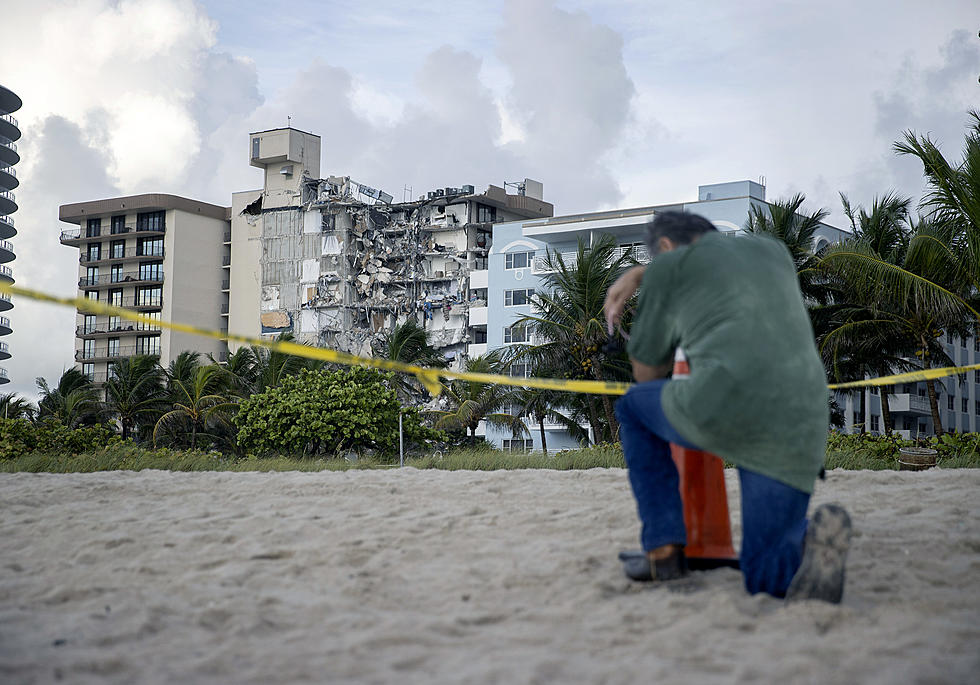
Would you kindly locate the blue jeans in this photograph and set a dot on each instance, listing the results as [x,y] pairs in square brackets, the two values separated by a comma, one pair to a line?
[773,514]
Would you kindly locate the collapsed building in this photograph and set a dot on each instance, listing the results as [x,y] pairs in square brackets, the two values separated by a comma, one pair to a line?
[339,264]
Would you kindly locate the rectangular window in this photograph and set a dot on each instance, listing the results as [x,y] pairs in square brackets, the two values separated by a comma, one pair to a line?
[93,228]
[963,343]
[88,349]
[255,148]
[117,249]
[116,273]
[485,214]
[149,297]
[149,247]
[92,295]
[89,371]
[516,334]
[976,341]
[976,407]
[949,338]
[907,424]
[148,344]
[149,326]
[92,275]
[922,392]
[976,376]
[150,221]
[874,389]
[949,402]
[907,388]
[874,422]
[514,298]
[519,370]
[89,325]
[518,260]
[118,225]
[518,445]
[94,252]
[115,298]
[113,348]
[856,419]
[965,405]
[479,336]
[151,271]
[114,324]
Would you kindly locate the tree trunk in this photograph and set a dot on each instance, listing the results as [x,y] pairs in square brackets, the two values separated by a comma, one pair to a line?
[937,423]
[472,435]
[194,435]
[544,441]
[125,428]
[607,405]
[886,413]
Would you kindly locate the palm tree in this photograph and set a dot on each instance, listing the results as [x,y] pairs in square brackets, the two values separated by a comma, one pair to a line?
[785,221]
[72,402]
[408,343]
[539,405]
[13,407]
[272,366]
[135,391]
[570,328]
[198,408]
[467,403]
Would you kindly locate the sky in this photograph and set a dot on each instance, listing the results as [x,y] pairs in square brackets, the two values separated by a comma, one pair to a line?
[610,104]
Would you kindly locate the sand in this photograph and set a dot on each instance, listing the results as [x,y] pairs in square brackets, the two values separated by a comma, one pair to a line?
[457,577]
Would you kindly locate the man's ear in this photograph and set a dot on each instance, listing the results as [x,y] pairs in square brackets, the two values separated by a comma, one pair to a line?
[665,244]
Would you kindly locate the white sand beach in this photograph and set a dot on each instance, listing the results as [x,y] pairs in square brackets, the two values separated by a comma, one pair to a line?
[409,576]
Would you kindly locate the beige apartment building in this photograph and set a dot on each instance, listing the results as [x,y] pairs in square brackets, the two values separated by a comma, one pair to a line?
[160,255]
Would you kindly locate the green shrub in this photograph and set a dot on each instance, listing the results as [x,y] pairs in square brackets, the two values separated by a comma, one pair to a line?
[329,412]
[19,437]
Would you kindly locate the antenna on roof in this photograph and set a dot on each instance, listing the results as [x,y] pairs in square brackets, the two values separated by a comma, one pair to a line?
[406,193]
[762,181]
[517,185]
[289,121]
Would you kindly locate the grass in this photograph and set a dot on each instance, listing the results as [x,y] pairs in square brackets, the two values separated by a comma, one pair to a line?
[847,452]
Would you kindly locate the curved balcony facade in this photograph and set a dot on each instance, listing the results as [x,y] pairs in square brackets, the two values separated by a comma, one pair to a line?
[9,134]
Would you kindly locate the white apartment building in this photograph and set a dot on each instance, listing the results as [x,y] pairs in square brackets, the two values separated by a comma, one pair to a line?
[160,255]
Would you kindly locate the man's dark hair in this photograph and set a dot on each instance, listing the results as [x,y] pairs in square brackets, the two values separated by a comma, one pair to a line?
[682,228]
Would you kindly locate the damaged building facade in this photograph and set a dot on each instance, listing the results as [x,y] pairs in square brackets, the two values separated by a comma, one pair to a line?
[339,264]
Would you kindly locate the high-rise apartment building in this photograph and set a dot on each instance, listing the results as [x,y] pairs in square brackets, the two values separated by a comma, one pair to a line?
[161,255]
[339,264]
[9,133]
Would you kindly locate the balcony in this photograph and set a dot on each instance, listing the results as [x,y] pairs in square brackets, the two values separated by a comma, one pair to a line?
[8,202]
[5,326]
[71,236]
[6,275]
[105,354]
[226,260]
[132,253]
[227,236]
[225,284]
[478,316]
[3,377]
[117,279]
[224,308]
[5,303]
[638,252]
[476,349]
[4,351]
[479,279]
[6,251]
[8,177]
[128,328]
[7,227]
[907,403]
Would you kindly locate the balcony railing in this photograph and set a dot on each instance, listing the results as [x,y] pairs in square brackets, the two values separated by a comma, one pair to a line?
[7,219]
[6,272]
[224,309]
[109,255]
[4,322]
[132,302]
[3,374]
[225,261]
[71,234]
[6,245]
[8,170]
[225,284]
[639,253]
[115,353]
[4,348]
[227,236]
[121,329]
[10,118]
[119,279]
[7,194]
[9,143]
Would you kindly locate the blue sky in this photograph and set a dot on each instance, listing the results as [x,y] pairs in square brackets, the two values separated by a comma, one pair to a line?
[609,104]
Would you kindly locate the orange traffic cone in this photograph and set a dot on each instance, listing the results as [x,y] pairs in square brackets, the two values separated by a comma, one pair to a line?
[702,486]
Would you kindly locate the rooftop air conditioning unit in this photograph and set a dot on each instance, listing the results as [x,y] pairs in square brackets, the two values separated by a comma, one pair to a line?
[468,190]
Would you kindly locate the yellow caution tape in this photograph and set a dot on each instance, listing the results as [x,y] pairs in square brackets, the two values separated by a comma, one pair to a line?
[427,376]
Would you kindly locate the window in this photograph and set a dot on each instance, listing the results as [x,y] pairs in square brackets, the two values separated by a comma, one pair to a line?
[88,349]
[874,422]
[976,376]
[514,298]
[949,338]
[976,341]
[479,336]
[963,343]
[949,402]
[116,275]
[140,326]
[114,323]
[148,344]
[115,298]
[922,392]
[89,371]
[150,221]
[149,247]
[92,295]
[255,148]
[485,214]
[92,275]
[976,407]
[965,405]
[118,225]
[518,260]
[113,350]
[93,252]
[516,334]
[149,297]
[519,370]
[117,249]
[93,228]
[907,424]
[151,271]
[907,388]
[518,445]
[89,324]
[874,389]
[856,419]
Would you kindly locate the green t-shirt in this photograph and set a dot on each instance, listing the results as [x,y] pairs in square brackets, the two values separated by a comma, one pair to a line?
[757,394]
